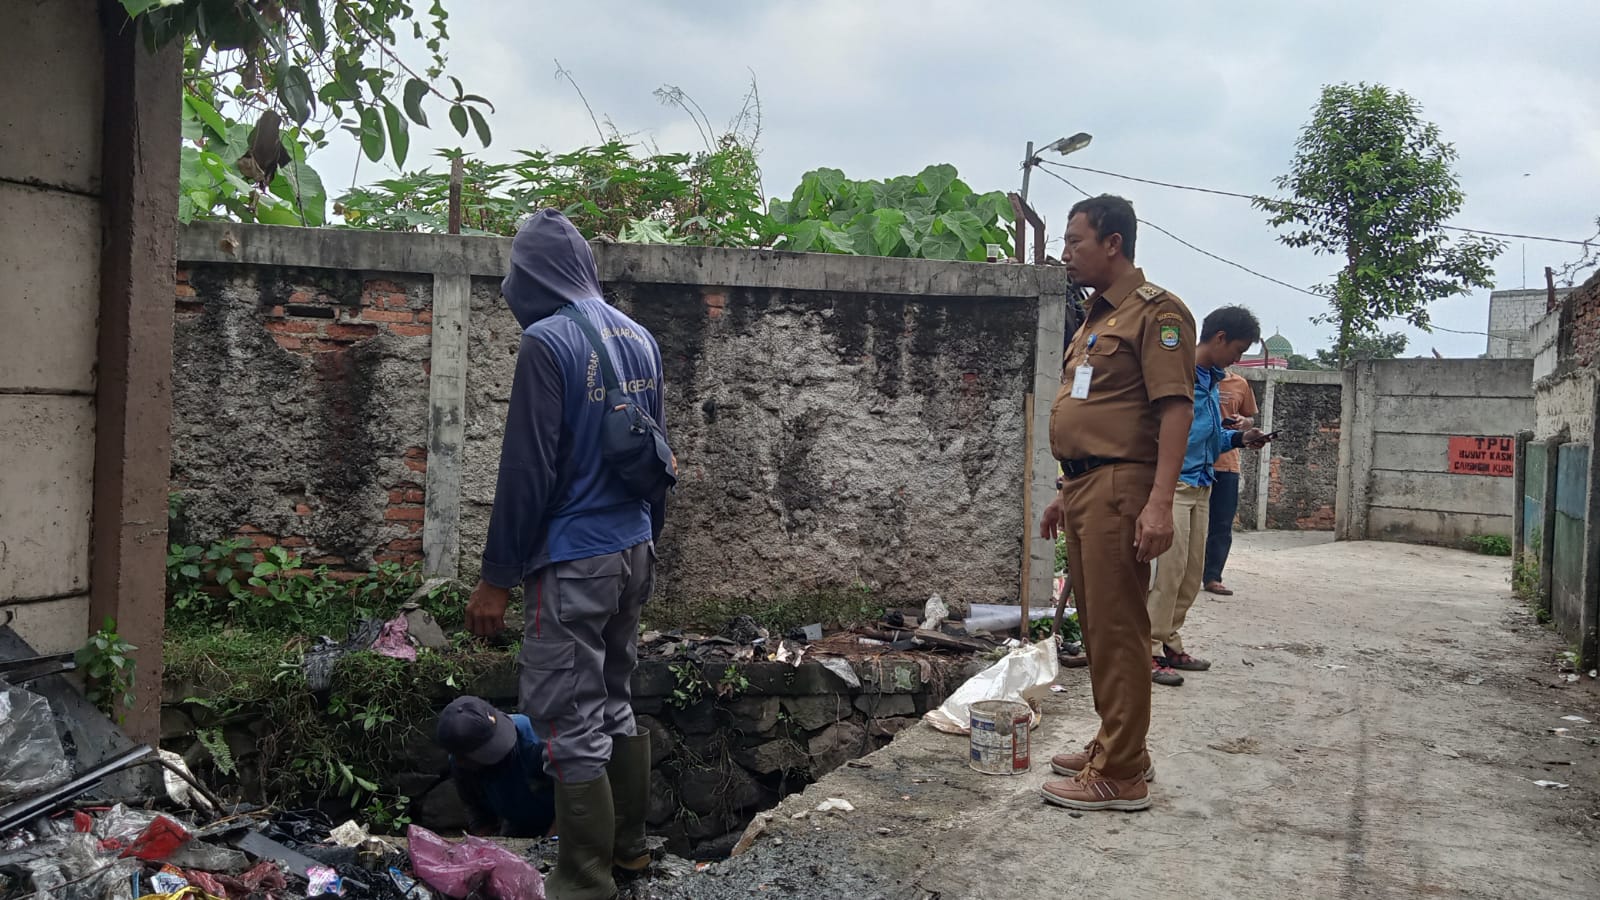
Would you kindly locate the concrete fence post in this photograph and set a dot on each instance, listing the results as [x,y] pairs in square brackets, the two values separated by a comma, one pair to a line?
[1551,449]
[1519,492]
[1356,435]
[1589,618]
[1050,337]
[1269,391]
[447,409]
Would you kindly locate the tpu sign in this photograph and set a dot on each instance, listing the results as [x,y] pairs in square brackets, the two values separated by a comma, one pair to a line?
[1493,456]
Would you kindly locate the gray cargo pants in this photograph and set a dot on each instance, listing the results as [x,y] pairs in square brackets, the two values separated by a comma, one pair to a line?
[579,646]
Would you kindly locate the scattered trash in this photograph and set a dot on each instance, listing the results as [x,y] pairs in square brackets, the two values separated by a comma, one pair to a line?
[1023,675]
[1559,731]
[835,804]
[1473,679]
[1594,673]
[457,870]
[996,617]
[998,742]
[842,669]
[1553,785]
[884,831]
[168,881]
[395,640]
[33,760]
[934,613]
[323,880]
[350,834]
[812,632]
[1058,689]
[1572,678]
[407,886]
[181,788]
[1579,719]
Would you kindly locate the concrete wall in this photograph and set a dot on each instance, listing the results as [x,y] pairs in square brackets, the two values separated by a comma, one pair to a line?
[1291,484]
[1512,315]
[838,421]
[1395,478]
[51,106]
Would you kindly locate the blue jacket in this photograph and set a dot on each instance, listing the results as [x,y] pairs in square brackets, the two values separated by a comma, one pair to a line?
[1207,438]
[554,499]
[515,795]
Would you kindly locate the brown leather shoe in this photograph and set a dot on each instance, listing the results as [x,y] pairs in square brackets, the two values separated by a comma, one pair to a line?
[1092,791]
[1070,764]
[1218,588]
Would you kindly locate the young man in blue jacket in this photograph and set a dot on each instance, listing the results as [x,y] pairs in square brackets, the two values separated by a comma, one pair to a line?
[1224,337]
[582,546]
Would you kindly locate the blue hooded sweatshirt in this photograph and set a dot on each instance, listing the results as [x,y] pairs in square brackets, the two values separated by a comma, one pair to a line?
[555,500]
[1208,437]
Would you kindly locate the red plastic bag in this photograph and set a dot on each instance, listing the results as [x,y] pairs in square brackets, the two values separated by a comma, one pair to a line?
[456,870]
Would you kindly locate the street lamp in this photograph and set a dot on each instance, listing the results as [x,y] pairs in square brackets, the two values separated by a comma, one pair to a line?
[1062,146]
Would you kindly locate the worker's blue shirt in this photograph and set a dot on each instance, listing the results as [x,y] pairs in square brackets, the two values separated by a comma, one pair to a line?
[516,793]
[1208,440]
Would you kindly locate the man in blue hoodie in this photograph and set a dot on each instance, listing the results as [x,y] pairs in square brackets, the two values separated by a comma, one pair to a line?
[1224,337]
[566,528]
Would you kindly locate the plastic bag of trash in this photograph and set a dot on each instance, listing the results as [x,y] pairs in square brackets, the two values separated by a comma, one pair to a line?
[474,864]
[934,612]
[1024,674]
[31,758]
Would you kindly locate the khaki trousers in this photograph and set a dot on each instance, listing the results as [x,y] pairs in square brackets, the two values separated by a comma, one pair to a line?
[1110,584]
[1180,570]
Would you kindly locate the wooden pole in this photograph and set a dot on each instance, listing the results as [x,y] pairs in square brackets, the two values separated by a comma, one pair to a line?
[1027,507]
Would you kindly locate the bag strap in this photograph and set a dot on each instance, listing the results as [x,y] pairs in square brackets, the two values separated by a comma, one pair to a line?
[607,373]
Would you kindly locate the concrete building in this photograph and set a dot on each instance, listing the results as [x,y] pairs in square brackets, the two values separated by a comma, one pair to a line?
[1512,315]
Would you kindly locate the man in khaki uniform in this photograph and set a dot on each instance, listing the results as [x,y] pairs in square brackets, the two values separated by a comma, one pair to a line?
[1119,426]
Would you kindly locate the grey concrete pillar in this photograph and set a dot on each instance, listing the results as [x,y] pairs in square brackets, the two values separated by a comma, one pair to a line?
[1269,390]
[447,410]
[1039,552]
[1589,619]
[1356,434]
[1519,492]
[1551,449]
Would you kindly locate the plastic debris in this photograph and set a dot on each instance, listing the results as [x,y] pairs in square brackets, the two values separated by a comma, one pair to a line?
[350,834]
[1058,689]
[179,791]
[323,880]
[835,804]
[1473,679]
[1579,719]
[168,881]
[395,640]
[934,612]
[33,761]
[1552,785]
[842,669]
[812,632]
[999,617]
[1571,677]
[1024,675]
[409,887]
[474,864]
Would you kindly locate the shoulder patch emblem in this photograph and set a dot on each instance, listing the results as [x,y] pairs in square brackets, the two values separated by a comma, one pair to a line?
[1149,291]
[1171,336]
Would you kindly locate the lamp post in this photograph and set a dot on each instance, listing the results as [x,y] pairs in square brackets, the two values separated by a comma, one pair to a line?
[1062,146]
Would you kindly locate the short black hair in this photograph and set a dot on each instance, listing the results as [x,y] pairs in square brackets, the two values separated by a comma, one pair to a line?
[1238,323]
[1109,214]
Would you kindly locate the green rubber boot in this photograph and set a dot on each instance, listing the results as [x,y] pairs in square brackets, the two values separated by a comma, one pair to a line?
[629,772]
[587,826]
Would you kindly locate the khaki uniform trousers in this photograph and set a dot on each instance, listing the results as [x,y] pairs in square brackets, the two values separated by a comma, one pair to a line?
[1110,585]
[1180,570]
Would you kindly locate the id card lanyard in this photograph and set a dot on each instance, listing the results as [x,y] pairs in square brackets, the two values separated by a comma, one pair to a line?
[1083,374]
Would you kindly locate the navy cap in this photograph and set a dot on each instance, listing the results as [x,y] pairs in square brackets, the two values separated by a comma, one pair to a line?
[473,730]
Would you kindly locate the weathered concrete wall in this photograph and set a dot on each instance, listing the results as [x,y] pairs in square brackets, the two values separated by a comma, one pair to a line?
[839,421]
[1396,479]
[302,410]
[51,106]
[1292,483]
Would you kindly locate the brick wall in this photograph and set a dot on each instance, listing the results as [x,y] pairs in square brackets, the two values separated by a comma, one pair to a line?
[300,411]
[1584,329]
[1303,467]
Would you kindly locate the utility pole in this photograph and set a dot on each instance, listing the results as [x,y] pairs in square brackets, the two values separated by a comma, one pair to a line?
[1027,169]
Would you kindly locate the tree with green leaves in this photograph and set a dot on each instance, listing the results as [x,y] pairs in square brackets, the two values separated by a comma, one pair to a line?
[265,82]
[1374,184]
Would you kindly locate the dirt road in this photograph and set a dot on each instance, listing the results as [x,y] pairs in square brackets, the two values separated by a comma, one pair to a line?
[1342,746]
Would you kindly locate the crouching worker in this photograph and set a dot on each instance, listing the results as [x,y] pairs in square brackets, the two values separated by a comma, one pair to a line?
[497,763]
[579,502]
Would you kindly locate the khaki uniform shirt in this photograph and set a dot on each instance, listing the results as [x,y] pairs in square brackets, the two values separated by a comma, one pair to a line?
[1236,399]
[1142,351]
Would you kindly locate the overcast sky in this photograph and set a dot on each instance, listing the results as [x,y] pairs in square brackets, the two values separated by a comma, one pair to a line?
[1211,94]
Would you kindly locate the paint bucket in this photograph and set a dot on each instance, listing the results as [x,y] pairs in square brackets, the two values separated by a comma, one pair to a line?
[1000,737]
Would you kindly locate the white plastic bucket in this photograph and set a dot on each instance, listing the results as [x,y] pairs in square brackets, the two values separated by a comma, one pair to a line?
[999,739]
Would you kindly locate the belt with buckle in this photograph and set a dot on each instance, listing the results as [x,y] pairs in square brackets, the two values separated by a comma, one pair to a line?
[1075,468]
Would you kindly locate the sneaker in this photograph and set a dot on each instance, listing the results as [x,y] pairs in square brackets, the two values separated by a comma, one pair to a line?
[1185,662]
[1091,791]
[1070,764]
[1161,673]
